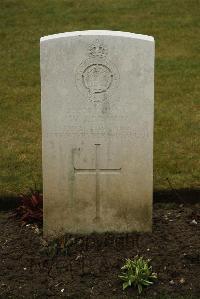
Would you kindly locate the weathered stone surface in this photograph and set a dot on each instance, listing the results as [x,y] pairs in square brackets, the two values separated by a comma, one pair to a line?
[97,131]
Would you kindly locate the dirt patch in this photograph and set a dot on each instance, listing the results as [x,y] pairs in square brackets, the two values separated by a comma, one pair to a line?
[92,264]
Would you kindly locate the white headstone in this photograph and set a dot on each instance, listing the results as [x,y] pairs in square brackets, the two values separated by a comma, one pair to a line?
[97,131]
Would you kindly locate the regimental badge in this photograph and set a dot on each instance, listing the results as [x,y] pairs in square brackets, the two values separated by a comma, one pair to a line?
[97,77]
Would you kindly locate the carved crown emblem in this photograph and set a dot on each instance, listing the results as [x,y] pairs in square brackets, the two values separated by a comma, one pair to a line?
[97,49]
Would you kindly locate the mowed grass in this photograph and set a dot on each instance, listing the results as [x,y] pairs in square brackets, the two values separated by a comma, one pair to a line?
[176,28]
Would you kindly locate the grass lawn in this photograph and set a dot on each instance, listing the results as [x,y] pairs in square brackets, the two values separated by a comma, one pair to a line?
[176,28]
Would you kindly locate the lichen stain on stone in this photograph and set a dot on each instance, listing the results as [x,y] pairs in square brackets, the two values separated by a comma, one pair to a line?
[140,215]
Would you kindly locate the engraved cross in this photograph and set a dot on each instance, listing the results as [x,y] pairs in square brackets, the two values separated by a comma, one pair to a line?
[97,171]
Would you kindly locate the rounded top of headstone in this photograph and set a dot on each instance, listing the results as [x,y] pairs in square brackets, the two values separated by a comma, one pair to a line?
[98,32]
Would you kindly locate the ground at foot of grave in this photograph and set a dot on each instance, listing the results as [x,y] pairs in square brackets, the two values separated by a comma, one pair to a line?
[92,264]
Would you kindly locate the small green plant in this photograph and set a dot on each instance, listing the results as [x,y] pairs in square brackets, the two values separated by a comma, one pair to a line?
[137,273]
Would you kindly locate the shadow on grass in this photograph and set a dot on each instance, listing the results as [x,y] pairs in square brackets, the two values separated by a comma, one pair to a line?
[9,203]
[190,196]
[179,196]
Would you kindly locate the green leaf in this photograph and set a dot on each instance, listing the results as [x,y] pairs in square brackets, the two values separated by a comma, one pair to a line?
[125,285]
[139,288]
[123,277]
[146,282]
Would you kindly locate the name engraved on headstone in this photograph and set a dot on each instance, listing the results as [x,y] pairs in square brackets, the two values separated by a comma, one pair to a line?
[101,131]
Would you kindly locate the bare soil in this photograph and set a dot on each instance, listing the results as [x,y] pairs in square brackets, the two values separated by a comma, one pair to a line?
[92,263]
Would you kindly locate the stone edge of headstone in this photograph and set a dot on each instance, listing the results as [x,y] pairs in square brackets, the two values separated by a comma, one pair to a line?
[98,32]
